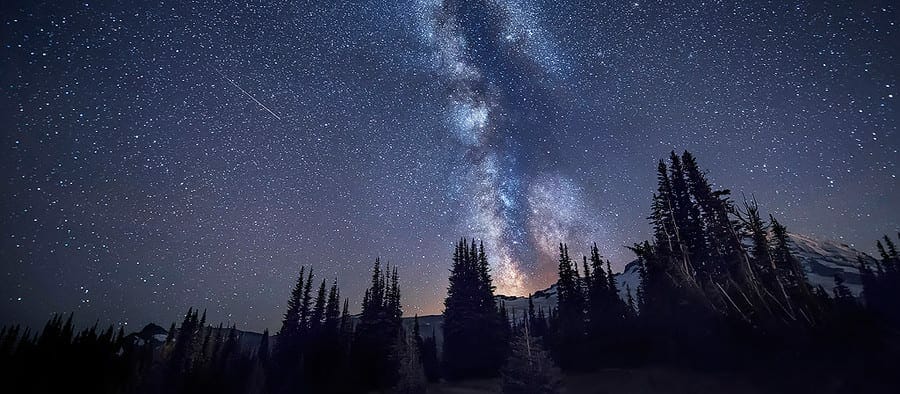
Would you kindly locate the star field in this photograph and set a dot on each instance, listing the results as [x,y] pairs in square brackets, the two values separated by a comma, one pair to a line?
[162,155]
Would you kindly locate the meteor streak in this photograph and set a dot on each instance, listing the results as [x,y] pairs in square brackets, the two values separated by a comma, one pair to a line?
[248,94]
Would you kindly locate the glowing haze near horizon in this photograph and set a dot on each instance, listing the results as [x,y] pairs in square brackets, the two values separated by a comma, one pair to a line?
[174,154]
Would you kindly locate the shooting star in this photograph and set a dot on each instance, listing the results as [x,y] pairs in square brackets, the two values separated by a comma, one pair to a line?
[248,94]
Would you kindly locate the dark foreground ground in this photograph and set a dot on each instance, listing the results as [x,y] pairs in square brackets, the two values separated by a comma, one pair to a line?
[665,380]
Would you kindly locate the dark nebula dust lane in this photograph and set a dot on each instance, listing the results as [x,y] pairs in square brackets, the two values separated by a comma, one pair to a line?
[174,154]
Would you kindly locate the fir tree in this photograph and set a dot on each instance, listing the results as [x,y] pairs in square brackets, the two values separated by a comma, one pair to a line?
[891,248]
[374,355]
[770,278]
[346,321]
[842,293]
[411,374]
[180,358]
[588,278]
[714,206]
[686,221]
[417,334]
[288,343]
[530,317]
[611,281]
[333,310]
[262,353]
[318,311]
[170,335]
[662,212]
[632,307]
[571,305]
[791,273]
[292,315]
[305,302]
[430,361]
[471,318]
[529,369]
[881,285]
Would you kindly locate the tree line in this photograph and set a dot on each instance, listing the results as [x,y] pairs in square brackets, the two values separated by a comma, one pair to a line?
[720,289]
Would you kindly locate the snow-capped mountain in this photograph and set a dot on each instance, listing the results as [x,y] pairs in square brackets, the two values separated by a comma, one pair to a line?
[154,335]
[151,334]
[820,259]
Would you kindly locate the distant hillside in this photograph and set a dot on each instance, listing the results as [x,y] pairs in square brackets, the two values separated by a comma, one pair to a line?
[154,335]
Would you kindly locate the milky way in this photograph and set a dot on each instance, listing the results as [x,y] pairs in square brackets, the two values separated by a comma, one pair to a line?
[162,155]
[514,215]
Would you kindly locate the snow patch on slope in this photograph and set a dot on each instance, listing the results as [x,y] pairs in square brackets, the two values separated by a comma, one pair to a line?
[820,259]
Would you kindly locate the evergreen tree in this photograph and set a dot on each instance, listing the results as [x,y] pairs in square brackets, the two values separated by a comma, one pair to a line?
[505,329]
[318,311]
[587,280]
[791,273]
[411,374]
[180,358]
[430,361]
[767,273]
[889,258]
[787,265]
[891,247]
[881,286]
[291,347]
[287,347]
[393,305]
[346,322]
[530,317]
[687,222]
[374,355]
[599,293]
[882,252]
[417,334]
[842,293]
[263,352]
[333,310]
[170,335]
[571,321]
[471,318]
[325,351]
[529,369]
[632,307]
[662,214]
[759,235]
[611,284]
[722,245]
[305,303]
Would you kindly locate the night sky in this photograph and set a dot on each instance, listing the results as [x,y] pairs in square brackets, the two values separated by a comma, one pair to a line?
[161,155]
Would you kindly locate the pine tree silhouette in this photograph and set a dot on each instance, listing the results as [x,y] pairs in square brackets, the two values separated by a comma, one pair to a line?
[529,369]
[471,319]
[375,359]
